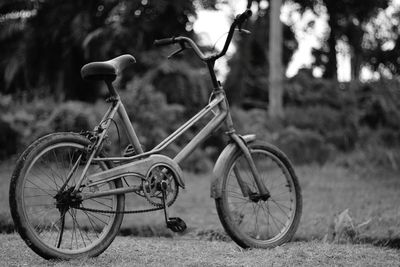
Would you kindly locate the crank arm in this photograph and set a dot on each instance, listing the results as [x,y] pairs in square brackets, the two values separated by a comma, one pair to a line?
[176,224]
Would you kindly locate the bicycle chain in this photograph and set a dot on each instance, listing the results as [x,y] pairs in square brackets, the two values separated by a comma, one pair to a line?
[117,212]
[158,207]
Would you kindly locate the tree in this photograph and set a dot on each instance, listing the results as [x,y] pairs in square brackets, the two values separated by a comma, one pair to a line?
[275,108]
[347,22]
[13,18]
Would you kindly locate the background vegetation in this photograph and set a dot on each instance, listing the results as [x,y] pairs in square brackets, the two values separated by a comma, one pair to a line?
[349,126]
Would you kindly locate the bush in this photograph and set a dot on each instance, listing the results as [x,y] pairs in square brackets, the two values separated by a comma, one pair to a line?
[303,146]
[23,122]
[304,90]
[300,139]
[337,127]
[371,158]
[16,124]
[153,118]
[199,161]
[253,121]
[72,116]
[379,105]
[9,139]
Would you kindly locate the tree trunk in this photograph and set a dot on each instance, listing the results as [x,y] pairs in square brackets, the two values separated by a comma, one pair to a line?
[331,66]
[356,36]
[356,63]
[275,108]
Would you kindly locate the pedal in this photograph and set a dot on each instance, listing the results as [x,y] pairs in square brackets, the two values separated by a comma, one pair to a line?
[176,224]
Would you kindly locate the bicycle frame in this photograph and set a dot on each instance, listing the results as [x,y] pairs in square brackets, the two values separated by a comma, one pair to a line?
[218,106]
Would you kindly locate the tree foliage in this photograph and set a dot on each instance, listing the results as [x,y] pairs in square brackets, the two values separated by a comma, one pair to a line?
[382,50]
[47,48]
[347,22]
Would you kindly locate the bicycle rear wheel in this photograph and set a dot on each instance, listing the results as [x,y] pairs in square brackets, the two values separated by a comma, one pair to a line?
[47,218]
[258,223]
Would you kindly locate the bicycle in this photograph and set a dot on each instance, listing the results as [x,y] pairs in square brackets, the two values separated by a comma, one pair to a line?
[67,197]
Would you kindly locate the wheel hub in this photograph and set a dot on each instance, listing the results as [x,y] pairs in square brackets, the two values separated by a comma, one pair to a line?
[66,200]
[256,197]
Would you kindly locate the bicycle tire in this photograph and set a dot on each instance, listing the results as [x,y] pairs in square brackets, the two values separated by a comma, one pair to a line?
[238,224]
[32,175]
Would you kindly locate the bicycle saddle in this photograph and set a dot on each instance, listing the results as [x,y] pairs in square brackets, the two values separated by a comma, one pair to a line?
[106,70]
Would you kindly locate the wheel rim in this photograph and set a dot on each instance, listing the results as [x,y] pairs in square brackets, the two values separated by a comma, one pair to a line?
[263,222]
[69,231]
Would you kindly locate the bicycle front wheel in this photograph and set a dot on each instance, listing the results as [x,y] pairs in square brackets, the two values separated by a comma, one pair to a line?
[51,222]
[253,222]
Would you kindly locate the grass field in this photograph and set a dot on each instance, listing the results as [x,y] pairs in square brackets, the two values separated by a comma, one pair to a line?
[128,251]
[370,195]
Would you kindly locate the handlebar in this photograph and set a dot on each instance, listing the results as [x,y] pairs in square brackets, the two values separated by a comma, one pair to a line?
[237,22]
[166,41]
[182,41]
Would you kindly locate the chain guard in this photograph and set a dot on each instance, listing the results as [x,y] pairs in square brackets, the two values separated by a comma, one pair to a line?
[158,171]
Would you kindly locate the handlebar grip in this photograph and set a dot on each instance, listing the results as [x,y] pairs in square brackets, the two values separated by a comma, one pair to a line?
[245,15]
[163,42]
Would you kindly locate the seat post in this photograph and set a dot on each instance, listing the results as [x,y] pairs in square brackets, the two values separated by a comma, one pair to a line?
[111,89]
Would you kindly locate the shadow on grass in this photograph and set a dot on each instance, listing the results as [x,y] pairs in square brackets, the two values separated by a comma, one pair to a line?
[6,224]
[381,242]
[388,242]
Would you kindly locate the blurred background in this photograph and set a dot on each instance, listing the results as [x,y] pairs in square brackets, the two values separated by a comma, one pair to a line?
[317,78]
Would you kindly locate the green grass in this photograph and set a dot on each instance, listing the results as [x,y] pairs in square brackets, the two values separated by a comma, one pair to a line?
[328,190]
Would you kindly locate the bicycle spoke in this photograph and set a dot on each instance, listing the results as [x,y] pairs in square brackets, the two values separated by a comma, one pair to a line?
[99,219]
[267,216]
[91,223]
[279,205]
[42,189]
[73,214]
[58,165]
[256,221]
[101,203]
[52,170]
[62,229]
[45,182]
[274,217]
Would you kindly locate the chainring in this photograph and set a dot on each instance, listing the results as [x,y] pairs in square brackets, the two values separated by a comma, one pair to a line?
[151,186]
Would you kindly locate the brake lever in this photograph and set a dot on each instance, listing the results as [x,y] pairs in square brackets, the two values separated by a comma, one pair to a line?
[183,47]
[244,31]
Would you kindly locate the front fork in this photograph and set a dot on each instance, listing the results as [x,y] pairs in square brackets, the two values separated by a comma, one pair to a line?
[264,193]
[246,191]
